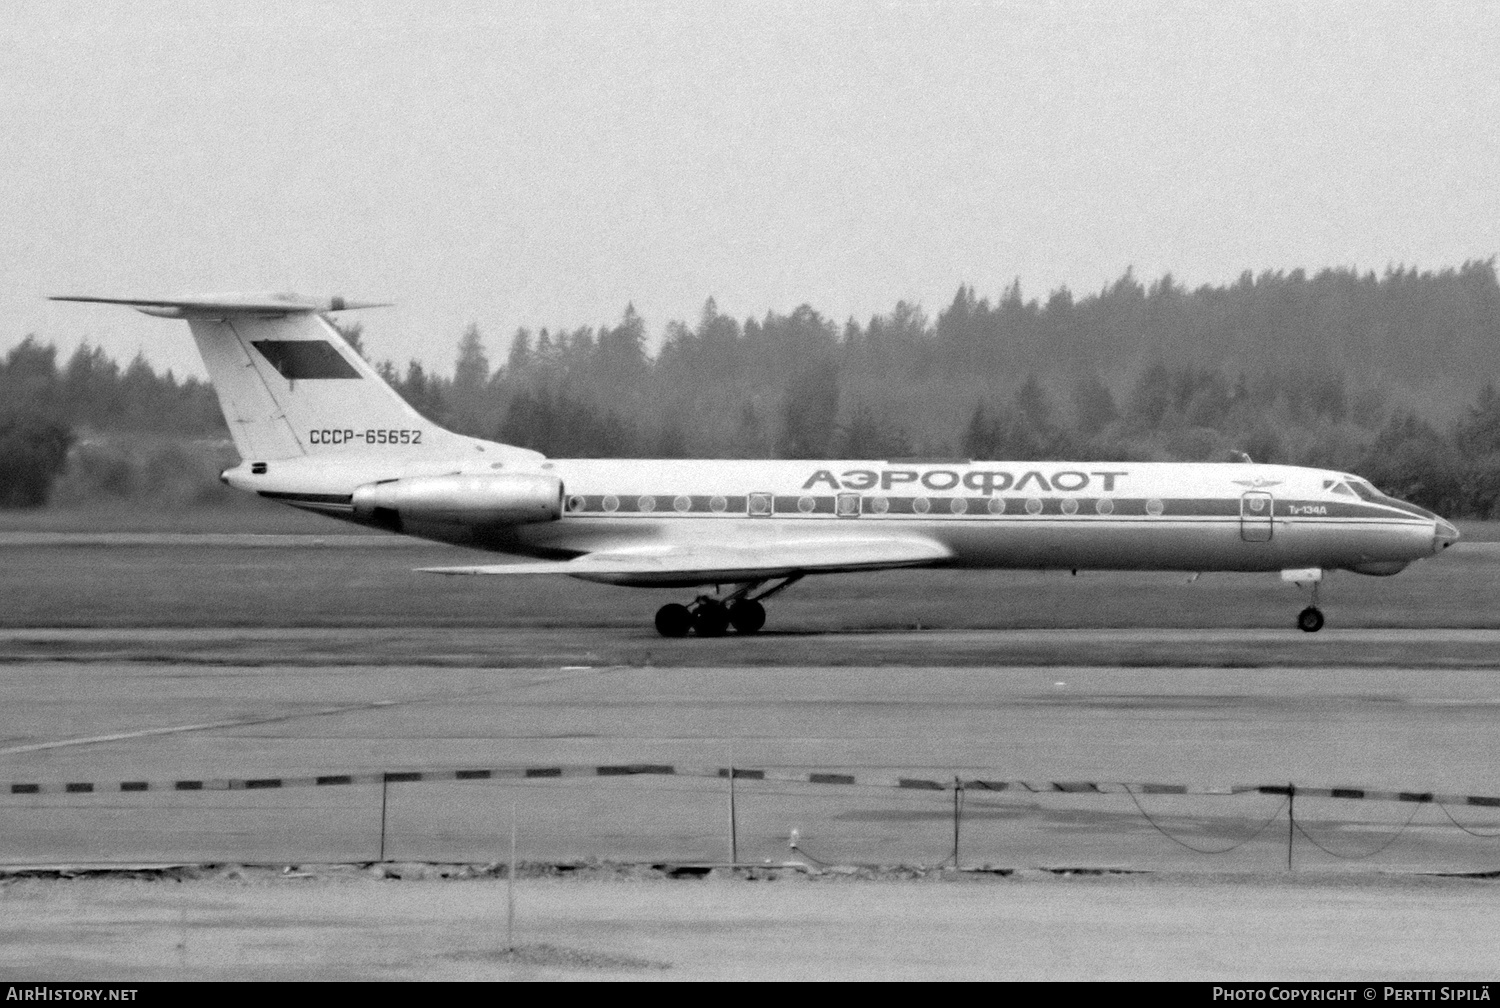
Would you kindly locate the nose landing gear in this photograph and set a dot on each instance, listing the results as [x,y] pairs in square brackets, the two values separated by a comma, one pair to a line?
[1309,620]
[708,616]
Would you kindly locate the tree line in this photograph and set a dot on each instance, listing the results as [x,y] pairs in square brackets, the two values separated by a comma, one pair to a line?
[1387,375]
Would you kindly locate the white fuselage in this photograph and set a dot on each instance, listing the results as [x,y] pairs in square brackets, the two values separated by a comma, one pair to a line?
[1079,515]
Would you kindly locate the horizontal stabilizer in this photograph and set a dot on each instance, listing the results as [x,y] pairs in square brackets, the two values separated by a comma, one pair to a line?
[703,564]
[202,305]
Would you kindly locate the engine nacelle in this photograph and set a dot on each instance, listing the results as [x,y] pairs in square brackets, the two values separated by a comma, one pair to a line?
[498,499]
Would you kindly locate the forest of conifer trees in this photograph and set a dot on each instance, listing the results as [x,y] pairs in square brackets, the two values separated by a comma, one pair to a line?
[1387,375]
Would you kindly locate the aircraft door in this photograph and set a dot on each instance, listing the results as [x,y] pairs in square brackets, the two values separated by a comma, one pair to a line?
[847,505]
[761,505]
[1256,516]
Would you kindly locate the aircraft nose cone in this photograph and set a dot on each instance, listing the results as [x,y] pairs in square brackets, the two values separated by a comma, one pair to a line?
[1444,534]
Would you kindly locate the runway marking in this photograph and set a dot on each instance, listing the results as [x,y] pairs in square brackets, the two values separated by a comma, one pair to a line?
[323,712]
[203,726]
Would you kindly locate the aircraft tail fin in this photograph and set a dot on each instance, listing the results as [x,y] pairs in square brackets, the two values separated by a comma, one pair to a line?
[289,385]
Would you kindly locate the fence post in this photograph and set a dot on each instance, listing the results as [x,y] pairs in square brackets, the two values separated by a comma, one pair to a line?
[958,803]
[734,828]
[510,886]
[1291,821]
[384,787]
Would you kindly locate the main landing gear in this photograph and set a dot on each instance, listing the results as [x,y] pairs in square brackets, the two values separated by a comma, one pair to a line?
[710,616]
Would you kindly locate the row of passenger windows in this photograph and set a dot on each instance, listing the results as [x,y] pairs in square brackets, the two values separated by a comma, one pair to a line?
[850,504]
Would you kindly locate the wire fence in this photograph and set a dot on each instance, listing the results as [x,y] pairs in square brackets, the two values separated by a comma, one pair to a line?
[957,793]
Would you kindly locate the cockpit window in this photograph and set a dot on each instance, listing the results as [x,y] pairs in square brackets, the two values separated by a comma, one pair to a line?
[1338,487]
[1367,491]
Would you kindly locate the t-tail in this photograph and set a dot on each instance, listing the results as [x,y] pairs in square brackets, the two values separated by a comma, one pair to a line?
[291,386]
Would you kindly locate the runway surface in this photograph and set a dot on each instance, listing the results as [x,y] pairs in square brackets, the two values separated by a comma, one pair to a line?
[174,581]
[158,656]
[155,655]
[106,720]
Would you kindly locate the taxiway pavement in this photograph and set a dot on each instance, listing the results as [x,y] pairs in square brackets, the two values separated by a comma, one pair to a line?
[106,721]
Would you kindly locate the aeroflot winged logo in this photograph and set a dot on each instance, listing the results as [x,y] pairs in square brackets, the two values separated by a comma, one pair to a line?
[985,481]
[1257,483]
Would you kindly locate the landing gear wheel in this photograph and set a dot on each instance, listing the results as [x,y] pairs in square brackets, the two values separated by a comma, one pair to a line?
[747,616]
[710,619]
[1310,620]
[673,620]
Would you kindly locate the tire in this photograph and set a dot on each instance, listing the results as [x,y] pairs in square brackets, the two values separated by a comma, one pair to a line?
[710,620]
[673,620]
[747,617]
[1310,620]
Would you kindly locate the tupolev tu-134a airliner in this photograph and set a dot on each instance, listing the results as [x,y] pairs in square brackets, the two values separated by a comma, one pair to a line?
[317,428]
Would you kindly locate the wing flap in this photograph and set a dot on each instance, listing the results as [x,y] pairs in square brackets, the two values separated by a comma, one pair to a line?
[730,563]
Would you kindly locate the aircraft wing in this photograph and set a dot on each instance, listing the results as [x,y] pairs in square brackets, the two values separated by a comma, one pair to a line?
[684,565]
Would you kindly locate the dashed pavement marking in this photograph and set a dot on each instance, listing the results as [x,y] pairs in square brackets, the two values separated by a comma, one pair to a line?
[945,783]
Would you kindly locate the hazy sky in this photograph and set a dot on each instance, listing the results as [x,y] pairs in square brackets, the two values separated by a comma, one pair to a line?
[544,164]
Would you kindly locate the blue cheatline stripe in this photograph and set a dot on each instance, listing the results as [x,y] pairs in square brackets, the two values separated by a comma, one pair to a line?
[945,782]
[958,507]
